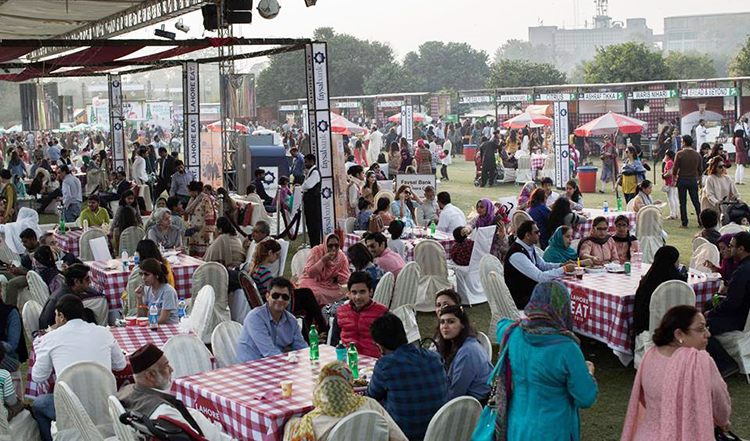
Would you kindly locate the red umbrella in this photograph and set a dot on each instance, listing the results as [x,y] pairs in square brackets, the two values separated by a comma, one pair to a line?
[415,117]
[610,123]
[216,127]
[527,119]
[339,124]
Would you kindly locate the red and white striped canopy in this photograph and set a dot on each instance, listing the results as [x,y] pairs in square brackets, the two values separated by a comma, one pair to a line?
[527,119]
[610,123]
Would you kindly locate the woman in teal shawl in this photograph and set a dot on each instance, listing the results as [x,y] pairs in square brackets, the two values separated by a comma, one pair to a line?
[559,250]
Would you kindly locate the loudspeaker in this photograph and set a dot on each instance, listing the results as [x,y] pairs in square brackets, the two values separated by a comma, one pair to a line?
[210,17]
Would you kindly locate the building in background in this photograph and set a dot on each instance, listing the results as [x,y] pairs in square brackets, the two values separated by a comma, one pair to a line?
[715,34]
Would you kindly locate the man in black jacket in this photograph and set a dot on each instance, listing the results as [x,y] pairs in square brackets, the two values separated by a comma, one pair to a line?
[731,314]
[165,169]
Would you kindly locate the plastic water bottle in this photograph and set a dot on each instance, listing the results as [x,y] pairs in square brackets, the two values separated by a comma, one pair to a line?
[313,339]
[153,317]
[124,257]
[181,308]
[606,207]
[341,352]
[136,258]
[353,359]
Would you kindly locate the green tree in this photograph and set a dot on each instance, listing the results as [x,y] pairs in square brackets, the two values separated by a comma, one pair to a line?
[626,62]
[523,50]
[390,78]
[523,73]
[446,66]
[350,60]
[740,64]
[686,66]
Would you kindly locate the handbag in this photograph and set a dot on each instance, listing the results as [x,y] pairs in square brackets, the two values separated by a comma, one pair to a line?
[485,429]
[720,435]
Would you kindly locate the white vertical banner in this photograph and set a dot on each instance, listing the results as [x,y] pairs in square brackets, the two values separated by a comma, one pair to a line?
[116,122]
[319,123]
[562,149]
[407,122]
[191,116]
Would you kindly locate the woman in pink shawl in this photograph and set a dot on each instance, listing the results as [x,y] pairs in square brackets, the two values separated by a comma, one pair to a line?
[678,394]
[326,270]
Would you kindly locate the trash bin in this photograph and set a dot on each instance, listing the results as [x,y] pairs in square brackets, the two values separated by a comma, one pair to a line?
[587,179]
[469,151]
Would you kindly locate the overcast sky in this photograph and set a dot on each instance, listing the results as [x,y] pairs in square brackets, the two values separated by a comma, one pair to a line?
[484,24]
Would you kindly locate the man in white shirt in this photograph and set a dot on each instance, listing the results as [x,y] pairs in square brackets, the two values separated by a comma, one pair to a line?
[701,133]
[138,169]
[73,340]
[550,194]
[311,201]
[525,267]
[451,217]
[149,395]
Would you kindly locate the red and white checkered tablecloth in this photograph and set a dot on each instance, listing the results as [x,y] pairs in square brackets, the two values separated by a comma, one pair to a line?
[443,239]
[603,304]
[113,282]
[537,161]
[69,241]
[246,398]
[129,338]
[584,229]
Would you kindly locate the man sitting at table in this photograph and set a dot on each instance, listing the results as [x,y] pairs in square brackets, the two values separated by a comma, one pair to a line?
[409,381]
[451,217]
[270,329]
[77,282]
[550,194]
[353,318]
[94,213]
[153,376]
[73,340]
[524,267]
[120,185]
[67,258]
[387,259]
[16,275]
[261,232]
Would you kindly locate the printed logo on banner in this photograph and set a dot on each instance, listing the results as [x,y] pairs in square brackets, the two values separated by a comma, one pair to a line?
[562,149]
[322,127]
[579,306]
[118,138]
[327,206]
[208,408]
[192,103]
[320,74]
[417,182]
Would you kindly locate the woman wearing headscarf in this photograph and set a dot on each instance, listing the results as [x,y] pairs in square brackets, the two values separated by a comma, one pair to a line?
[559,250]
[406,160]
[542,379]
[728,262]
[226,248]
[664,268]
[523,198]
[485,216]
[599,246]
[423,158]
[334,399]
[326,271]
[625,243]
[678,393]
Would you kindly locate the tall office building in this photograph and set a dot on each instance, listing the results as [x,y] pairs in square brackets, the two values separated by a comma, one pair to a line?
[711,33]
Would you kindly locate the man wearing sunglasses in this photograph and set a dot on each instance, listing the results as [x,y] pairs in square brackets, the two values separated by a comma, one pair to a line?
[271,329]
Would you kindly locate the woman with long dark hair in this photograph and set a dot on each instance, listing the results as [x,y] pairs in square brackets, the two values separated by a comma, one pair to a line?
[573,193]
[561,214]
[664,268]
[226,248]
[468,364]
[155,290]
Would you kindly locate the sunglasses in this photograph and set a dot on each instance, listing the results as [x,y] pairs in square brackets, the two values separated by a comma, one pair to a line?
[277,296]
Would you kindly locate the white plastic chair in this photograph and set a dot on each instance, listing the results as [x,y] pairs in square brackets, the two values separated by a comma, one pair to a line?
[667,295]
[282,256]
[430,255]
[631,205]
[215,275]
[419,216]
[187,355]
[200,314]
[409,319]
[737,344]
[71,418]
[349,225]
[93,384]
[84,243]
[362,425]
[649,231]
[486,264]
[468,285]
[100,307]
[129,239]
[37,288]
[134,281]
[123,432]
[698,241]
[548,171]
[384,291]
[298,261]
[518,218]
[501,303]
[707,251]
[485,342]
[31,312]
[523,172]
[407,282]
[455,421]
[224,343]
[732,228]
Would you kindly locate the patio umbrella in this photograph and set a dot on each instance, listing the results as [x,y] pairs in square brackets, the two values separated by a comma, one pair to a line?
[610,123]
[415,117]
[529,119]
[216,127]
[80,127]
[339,124]
[15,129]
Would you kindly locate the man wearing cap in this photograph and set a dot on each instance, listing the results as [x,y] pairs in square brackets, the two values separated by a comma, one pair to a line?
[153,376]
[71,341]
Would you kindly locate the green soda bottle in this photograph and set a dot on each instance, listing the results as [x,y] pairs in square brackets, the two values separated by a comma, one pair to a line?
[61,227]
[619,204]
[716,300]
[353,358]
[313,339]
[432,228]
